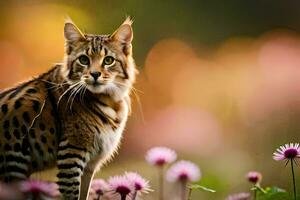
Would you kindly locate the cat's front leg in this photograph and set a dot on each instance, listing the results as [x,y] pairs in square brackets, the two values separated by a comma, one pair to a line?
[88,173]
[86,178]
[71,160]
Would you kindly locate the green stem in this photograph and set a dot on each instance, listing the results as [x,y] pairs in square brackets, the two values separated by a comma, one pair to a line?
[257,187]
[190,193]
[294,181]
[161,182]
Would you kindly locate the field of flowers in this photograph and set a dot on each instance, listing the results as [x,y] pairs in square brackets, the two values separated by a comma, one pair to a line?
[185,174]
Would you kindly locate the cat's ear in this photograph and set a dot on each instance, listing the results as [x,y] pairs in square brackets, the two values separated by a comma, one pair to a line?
[124,33]
[72,32]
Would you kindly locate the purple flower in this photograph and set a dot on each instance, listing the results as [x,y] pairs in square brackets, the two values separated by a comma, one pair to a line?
[120,185]
[39,188]
[254,177]
[183,171]
[160,156]
[98,188]
[287,152]
[239,196]
[139,183]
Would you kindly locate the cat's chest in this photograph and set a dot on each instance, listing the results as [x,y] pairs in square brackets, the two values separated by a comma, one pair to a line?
[107,139]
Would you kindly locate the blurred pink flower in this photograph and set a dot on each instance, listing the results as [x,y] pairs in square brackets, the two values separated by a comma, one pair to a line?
[39,188]
[287,152]
[10,192]
[139,183]
[183,171]
[98,188]
[192,126]
[120,185]
[254,177]
[239,196]
[160,156]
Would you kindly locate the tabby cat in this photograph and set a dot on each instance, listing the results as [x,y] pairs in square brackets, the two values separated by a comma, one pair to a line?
[73,115]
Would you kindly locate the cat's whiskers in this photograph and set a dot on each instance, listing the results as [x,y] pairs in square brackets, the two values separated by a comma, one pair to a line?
[131,87]
[137,97]
[82,93]
[53,83]
[55,86]
[46,81]
[76,92]
[67,90]
[73,91]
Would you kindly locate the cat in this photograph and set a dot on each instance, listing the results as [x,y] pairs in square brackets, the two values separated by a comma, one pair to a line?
[72,116]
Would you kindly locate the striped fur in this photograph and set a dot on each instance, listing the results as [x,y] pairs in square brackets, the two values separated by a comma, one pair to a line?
[72,116]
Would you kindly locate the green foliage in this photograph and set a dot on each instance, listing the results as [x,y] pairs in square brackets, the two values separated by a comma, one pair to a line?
[200,187]
[271,193]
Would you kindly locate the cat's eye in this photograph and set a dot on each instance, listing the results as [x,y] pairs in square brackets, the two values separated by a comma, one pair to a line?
[108,60]
[84,60]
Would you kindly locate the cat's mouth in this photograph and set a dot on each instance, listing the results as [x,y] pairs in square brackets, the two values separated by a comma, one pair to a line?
[94,83]
[95,86]
[97,83]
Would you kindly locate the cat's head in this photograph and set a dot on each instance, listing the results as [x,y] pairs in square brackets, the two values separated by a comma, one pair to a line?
[101,63]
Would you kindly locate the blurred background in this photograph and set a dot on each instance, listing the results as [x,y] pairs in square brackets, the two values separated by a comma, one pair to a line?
[219,81]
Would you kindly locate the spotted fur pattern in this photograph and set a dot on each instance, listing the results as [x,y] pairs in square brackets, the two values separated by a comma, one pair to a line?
[73,115]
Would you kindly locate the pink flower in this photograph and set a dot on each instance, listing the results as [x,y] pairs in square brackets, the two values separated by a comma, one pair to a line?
[160,156]
[98,188]
[254,177]
[287,152]
[39,188]
[10,192]
[183,171]
[139,183]
[239,196]
[120,185]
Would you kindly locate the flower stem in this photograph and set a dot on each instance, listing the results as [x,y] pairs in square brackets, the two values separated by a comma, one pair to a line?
[256,187]
[123,197]
[183,190]
[294,181]
[134,195]
[161,182]
[35,196]
[190,193]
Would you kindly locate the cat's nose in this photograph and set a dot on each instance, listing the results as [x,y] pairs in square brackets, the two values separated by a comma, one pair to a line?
[95,75]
